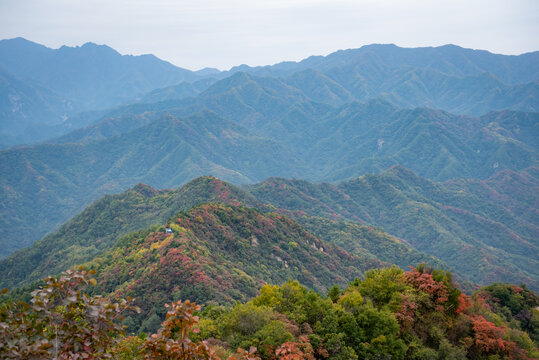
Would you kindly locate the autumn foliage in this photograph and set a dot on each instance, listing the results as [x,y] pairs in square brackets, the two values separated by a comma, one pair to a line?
[172,340]
[389,314]
[62,321]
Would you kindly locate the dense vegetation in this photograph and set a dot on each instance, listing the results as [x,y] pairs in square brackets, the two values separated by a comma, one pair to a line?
[98,227]
[419,314]
[472,230]
[220,254]
[452,222]
[389,314]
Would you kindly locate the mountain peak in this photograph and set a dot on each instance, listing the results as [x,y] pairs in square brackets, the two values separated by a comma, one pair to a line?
[402,172]
[145,190]
[207,71]
[241,76]
[90,47]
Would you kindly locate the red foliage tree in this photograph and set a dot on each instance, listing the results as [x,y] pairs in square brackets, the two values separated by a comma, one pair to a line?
[296,350]
[424,281]
[487,336]
[465,302]
[488,339]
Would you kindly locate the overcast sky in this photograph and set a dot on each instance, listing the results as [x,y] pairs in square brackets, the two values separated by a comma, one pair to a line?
[220,33]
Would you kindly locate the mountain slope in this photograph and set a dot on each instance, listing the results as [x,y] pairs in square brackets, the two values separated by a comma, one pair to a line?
[368,241]
[469,232]
[357,138]
[479,237]
[470,95]
[319,87]
[220,254]
[451,78]
[179,91]
[52,182]
[517,192]
[264,127]
[42,90]
[366,138]
[25,107]
[166,147]
[97,228]
[229,250]
[374,60]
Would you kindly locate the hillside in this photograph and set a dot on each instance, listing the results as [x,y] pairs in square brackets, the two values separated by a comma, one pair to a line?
[96,230]
[369,138]
[369,241]
[516,191]
[418,314]
[478,236]
[180,91]
[47,184]
[221,253]
[337,143]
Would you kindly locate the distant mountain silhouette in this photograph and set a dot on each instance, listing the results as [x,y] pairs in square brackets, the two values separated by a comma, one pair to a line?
[95,77]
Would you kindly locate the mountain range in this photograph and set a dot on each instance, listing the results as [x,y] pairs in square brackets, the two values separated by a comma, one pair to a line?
[245,129]
[379,155]
[48,87]
[476,236]
[91,77]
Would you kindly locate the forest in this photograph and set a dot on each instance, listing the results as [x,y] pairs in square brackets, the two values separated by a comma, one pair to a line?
[389,314]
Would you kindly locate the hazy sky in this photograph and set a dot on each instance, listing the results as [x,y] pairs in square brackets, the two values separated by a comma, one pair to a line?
[216,33]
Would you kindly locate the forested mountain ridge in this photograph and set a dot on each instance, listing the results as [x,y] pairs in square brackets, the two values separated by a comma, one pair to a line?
[216,253]
[98,227]
[376,133]
[451,78]
[167,152]
[456,223]
[448,59]
[422,158]
[221,253]
[450,224]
